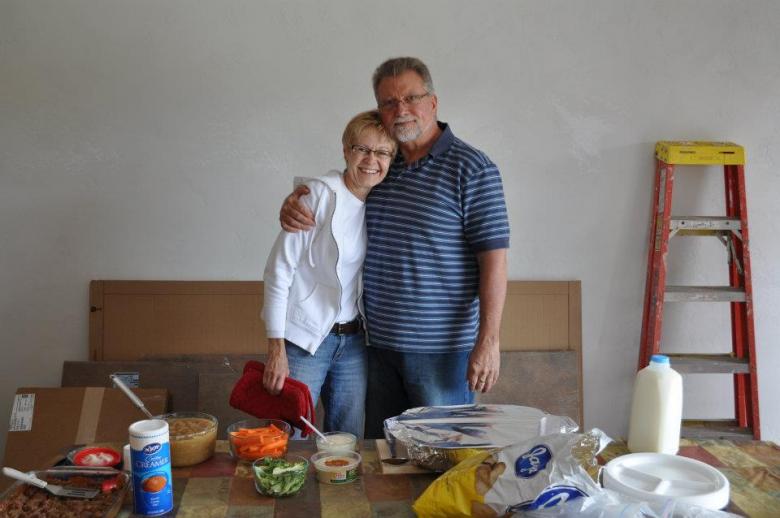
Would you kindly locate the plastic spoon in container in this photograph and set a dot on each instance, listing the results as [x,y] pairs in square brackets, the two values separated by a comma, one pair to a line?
[129,393]
[322,435]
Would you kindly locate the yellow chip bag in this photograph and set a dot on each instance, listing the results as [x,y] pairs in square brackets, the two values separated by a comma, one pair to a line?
[460,492]
[537,473]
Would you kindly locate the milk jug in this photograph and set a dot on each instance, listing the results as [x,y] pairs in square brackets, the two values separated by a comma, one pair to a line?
[656,410]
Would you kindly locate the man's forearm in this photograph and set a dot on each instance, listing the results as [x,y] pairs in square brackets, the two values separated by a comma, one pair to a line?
[492,293]
[485,360]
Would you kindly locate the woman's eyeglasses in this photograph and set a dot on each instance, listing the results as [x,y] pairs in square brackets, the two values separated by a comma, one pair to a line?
[363,151]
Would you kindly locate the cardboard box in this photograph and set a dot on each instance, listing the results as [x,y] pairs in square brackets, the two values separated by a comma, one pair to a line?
[47,422]
[200,383]
[179,378]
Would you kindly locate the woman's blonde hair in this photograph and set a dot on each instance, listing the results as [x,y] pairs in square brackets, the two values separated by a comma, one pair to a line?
[362,121]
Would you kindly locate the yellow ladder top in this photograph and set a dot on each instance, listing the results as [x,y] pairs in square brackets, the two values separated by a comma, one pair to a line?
[699,153]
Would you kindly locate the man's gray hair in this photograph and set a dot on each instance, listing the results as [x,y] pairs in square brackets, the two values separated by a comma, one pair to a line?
[396,66]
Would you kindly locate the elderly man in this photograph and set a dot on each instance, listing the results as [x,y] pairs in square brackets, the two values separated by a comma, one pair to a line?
[435,269]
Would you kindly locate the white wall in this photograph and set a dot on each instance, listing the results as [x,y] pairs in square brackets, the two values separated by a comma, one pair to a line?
[154,140]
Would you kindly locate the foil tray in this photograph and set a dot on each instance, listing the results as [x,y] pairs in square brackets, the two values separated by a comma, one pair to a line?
[438,437]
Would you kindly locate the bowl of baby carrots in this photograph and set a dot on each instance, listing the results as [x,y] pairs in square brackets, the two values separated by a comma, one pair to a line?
[252,439]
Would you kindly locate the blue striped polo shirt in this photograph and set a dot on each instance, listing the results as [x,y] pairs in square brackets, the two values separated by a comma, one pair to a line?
[426,223]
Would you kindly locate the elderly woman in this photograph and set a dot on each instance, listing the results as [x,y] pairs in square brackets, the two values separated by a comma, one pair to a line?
[313,283]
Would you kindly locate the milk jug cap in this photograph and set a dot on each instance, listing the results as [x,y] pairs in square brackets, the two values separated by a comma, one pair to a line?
[659,359]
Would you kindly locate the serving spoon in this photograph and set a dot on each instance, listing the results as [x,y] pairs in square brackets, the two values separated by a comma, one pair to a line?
[129,393]
[395,461]
[314,429]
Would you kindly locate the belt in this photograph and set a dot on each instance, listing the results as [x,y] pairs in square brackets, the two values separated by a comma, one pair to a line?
[347,328]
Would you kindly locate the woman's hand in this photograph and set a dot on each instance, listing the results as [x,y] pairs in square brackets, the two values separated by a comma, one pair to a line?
[294,215]
[276,368]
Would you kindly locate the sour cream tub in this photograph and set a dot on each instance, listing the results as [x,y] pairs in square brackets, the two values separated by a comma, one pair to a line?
[337,441]
[339,467]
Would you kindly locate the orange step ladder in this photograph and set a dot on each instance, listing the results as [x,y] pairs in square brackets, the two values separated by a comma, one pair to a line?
[732,231]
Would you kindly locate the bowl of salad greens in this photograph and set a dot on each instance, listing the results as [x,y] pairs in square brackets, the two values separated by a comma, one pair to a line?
[283,476]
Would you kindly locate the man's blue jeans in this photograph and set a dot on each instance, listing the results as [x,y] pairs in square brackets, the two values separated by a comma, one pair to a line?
[337,373]
[398,381]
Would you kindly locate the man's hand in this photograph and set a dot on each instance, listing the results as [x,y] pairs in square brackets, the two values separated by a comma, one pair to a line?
[294,215]
[276,368]
[484,364]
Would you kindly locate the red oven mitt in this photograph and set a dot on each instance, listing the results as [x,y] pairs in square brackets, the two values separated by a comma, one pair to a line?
[294,401]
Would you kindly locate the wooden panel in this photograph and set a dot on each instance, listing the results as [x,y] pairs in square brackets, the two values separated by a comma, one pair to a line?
[179,378]
[96,320]
[127,326]
[575,340]
[131,320]
[548,380]
[537,316]
[147,319]
[575,316]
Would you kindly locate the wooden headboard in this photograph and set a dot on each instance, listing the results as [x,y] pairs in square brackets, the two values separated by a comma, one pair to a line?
[541,331]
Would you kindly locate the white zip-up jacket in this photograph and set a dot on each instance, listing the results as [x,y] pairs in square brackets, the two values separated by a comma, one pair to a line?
[303,281]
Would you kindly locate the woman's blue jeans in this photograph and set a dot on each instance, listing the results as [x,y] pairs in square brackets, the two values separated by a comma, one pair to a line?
[337,373]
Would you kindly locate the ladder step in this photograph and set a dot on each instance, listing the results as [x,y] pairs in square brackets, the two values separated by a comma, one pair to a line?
[704,294]
[709,364]
[681,223]
[699,153]
[714,429]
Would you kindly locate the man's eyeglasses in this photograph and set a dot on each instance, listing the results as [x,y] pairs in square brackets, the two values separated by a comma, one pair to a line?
[409,100]
[363,151]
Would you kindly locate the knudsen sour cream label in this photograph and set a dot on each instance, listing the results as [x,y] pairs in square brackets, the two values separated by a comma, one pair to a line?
[336,467]
[150,457]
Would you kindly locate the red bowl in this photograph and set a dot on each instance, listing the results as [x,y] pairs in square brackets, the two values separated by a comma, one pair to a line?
[97,457]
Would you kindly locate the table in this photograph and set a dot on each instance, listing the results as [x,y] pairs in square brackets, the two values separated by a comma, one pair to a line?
[752,468]
[223,488]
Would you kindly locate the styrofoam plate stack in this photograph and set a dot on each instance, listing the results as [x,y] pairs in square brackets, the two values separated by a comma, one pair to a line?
[657,477]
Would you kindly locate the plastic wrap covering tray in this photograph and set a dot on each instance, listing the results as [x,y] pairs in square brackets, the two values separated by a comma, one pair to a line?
[439,437]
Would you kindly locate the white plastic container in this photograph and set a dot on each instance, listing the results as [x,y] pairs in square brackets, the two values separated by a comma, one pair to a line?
[150,458]
[336,467]
[337,441]
[656,410]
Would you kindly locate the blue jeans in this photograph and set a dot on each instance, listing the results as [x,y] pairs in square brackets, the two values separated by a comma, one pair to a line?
[337,373]
[398,381]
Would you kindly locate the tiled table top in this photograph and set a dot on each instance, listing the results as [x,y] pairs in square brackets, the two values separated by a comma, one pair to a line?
[752,468]
[223,488]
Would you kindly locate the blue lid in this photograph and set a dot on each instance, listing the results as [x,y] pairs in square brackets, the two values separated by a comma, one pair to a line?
[659,358]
